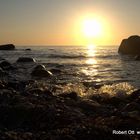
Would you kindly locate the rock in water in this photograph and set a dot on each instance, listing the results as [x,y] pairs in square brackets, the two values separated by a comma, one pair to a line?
[40,71]
[28,49]
[137,57]
[5,65]
[40,67]
[25,59]
[2,73]
[130,46]
[55,71]
[7,47]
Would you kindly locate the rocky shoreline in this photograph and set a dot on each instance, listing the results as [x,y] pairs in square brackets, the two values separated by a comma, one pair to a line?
[34,109]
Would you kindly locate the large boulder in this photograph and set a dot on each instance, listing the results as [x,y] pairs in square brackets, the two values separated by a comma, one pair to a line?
[7,47]
[130,45]
[40,71]
[25,59]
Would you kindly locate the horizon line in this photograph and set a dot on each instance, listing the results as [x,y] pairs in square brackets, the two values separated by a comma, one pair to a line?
[47,45]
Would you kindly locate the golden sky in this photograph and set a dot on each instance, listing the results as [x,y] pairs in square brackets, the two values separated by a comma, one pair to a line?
[68,22]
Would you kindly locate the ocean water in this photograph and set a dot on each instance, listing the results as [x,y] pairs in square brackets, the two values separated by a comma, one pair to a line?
[88,64]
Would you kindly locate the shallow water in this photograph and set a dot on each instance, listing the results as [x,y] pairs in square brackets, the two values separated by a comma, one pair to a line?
[100,65]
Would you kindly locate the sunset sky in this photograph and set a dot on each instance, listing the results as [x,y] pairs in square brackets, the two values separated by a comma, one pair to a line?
[61,22]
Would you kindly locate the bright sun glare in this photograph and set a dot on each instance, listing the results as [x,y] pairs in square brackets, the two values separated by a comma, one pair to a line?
[92,28]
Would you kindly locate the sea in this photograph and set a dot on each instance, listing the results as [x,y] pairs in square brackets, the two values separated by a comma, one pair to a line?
[96,65]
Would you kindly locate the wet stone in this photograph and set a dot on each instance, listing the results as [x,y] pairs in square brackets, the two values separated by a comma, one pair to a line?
[7,47]
[28,49]
[25,59]
[40,67]
[134,95]
[55,71]
[131,107]
[6,65]
[72,95]
[40,71]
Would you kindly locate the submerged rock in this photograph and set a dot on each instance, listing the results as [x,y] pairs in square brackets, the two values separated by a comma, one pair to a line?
[7,47]
[130,45]
[2,59]
[40,71]
[25,59]
[137,57]
[5,65]
[2,72]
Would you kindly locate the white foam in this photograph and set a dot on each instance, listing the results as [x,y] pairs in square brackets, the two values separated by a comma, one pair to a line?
[120,89]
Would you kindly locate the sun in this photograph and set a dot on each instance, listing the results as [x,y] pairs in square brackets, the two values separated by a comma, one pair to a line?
[92,28]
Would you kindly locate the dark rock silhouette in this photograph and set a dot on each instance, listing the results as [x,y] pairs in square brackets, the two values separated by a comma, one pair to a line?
[137,57]
[25,59]
[40,67]
[5,65]
[135,95]
[28,49]
[130,46]
[40,71]
[7,47]
[55,71]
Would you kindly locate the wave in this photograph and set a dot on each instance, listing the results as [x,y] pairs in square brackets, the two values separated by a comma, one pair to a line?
[80,56]
[66,56]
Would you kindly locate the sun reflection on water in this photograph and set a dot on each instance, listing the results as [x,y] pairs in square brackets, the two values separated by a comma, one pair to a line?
[91,51]
[91,61]
[91,70]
